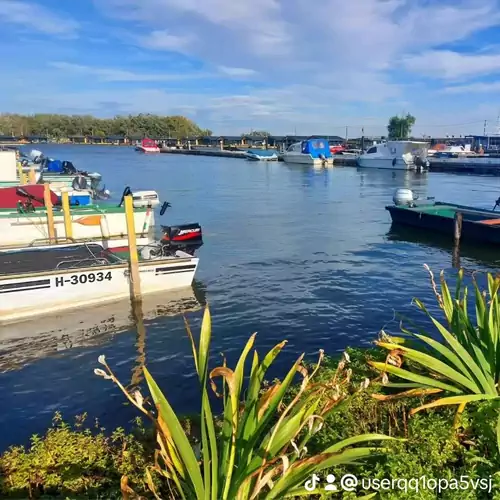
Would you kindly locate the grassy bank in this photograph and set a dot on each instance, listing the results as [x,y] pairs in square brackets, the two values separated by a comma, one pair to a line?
[409,417]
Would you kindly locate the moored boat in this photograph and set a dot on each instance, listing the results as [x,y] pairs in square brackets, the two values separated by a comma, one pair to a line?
[310,152]
[396,155]
[261,155]
[148,146]
[478,224]
[49,279]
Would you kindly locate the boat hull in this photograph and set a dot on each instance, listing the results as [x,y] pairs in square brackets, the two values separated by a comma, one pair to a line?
[107,227]
[384,163]
[143,149]
[27,295]
[306,160]
[441,220]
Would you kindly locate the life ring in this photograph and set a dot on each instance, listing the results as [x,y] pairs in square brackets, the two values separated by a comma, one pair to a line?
[79,183]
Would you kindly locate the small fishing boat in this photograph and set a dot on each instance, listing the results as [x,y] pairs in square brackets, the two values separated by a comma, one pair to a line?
[261,155]
[478,224]
[50,279]
[396,155]
[23,196]
[148,146]
[311,152]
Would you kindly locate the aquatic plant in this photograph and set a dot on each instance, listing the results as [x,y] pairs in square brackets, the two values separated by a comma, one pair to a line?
[463,365]
[257,448]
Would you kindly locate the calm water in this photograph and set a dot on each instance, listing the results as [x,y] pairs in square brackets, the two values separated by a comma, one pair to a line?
[290,252]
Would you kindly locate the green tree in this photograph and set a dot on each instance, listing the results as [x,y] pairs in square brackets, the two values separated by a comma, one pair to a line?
[400,126]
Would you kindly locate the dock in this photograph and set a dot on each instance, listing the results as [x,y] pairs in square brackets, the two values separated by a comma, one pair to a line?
[205,152]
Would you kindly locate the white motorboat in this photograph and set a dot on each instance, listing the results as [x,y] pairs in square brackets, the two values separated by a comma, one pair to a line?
[396,155]
[45,280]
[310,152]
[261,156]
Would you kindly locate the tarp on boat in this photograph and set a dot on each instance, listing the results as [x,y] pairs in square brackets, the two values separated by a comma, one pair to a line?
[148,143]
[11,196]
[317,148]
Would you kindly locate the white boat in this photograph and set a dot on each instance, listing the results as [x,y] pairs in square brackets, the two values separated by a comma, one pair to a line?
[148,146]
[459,150]
[105,224]
[254,156]
[51,279]
[396,155]
[310,152]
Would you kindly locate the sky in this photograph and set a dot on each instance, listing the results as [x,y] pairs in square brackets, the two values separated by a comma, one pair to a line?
[284,66]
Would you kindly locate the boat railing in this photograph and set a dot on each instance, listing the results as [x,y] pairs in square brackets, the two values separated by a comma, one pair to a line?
[77,263]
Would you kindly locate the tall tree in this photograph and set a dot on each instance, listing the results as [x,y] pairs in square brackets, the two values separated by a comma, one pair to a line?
[400,126]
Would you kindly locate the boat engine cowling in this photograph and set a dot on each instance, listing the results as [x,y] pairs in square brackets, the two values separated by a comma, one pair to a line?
[404,196]
[186,237]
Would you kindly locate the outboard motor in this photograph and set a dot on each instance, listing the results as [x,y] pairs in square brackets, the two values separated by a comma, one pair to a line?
[187,238]
[404,196]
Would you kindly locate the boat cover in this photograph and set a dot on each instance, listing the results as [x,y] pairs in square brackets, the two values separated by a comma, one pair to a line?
[149,143]
[316,148]
[10,196]
[34,260]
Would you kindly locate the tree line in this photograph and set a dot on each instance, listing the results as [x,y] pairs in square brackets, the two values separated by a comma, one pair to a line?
[60,126]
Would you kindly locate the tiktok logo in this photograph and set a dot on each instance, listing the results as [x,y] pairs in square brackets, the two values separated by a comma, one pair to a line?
[312,483]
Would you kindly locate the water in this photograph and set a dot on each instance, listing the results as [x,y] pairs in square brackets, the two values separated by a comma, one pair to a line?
[290,252]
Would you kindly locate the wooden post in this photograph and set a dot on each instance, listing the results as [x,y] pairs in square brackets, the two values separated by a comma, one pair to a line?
[458,226]
[50,212]
[135,284]
[68,227]
[32,176]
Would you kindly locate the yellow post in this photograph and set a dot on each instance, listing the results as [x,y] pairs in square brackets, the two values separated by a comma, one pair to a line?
[22,178]
[68,227]
[135,284]
[32,176]
[50,212]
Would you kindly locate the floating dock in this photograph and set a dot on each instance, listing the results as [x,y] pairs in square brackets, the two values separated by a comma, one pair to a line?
[205,152]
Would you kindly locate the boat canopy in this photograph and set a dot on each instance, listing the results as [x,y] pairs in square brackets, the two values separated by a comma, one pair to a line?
[316,148]
[148,143]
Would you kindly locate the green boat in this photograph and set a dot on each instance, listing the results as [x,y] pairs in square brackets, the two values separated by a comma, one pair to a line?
[478,224]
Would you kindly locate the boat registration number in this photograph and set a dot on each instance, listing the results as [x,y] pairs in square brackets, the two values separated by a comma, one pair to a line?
[81,279]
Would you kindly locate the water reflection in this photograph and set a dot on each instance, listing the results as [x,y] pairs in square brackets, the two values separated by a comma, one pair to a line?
[28,341]
[397,178]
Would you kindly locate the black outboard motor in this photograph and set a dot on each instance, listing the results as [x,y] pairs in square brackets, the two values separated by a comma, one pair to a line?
[187,238]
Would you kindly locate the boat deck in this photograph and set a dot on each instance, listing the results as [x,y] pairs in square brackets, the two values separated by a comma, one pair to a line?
[48,259]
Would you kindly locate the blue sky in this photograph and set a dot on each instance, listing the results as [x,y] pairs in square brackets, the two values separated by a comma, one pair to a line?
[280,65]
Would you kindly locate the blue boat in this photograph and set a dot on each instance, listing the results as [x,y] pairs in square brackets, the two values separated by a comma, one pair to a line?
[314,152]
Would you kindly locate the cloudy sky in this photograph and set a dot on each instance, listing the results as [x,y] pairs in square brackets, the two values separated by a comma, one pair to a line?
[310,66]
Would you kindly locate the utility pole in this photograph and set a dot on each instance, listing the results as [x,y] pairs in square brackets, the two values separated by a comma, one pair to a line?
[346,134]
[484,128]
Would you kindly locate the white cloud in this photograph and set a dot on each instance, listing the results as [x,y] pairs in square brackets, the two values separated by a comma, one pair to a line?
[164,40]
[119,75]
[237,72]
[446,64]
[37,18]
[478,87]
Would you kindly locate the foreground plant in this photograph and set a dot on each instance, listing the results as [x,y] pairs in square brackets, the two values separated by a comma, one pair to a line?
[258,448]
[464,364]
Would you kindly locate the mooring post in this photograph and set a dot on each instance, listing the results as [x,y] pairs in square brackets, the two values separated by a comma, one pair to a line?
[135,284]
[50,212]
[458,226]
[22,177]
[68,227]
[32,176]
[457,234]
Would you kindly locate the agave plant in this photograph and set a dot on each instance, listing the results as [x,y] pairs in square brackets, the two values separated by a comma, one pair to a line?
[463,366]
[257,449]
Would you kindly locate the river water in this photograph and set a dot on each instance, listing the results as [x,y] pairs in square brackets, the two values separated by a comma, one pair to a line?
[290,252]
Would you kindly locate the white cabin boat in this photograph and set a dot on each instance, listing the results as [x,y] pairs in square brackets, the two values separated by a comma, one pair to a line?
[261,156]
[311,152]
[50,279]
[396,155]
